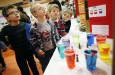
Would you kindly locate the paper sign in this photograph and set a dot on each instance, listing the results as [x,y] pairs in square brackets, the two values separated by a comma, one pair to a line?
[100,29]
[97,11]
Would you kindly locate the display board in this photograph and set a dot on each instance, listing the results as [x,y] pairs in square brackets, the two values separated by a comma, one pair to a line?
[101,17]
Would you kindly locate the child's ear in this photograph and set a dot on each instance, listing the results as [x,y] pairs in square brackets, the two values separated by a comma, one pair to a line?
[7,19]
[34,14]
[49,14]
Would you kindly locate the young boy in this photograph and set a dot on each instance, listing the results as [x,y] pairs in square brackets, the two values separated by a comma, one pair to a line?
[66,16]
[63,5]
[43,36]
[55,2]
[68,5]
[17,37]
[54,13]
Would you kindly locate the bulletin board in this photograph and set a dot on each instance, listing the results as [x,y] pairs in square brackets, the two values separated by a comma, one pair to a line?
[101,17]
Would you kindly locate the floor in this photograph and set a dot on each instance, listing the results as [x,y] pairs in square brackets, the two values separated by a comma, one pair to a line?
[12,68]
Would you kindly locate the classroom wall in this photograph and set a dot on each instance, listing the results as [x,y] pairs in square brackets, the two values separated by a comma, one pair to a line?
[6,2]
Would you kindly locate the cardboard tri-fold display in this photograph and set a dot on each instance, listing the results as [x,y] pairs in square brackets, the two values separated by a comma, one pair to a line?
[101,17]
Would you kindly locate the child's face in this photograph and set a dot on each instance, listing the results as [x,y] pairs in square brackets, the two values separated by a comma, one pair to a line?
[55,13]
[66,16]
[39,11]
[13,15]
[68,2]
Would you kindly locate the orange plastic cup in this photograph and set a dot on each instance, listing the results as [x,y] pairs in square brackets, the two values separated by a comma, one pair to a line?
[101,39]
[70,58]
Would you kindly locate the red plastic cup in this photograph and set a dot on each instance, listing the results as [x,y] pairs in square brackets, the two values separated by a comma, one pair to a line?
[70,58]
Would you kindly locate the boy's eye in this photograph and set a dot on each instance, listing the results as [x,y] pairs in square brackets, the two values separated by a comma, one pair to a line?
[13,12]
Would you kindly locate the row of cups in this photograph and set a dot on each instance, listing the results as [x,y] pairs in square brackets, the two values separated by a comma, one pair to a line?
[90,54]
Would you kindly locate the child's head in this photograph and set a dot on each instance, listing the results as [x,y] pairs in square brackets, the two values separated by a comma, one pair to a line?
[20,9]
[67,1]
[38,10]
[53,11]
[23,18]
[66,15]
[62,3]
[11,13]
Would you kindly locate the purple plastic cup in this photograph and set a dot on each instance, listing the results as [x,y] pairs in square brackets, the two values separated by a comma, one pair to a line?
[67,43]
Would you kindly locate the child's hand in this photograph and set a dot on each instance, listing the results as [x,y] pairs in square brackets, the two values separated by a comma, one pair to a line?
[41,53]
[10,47]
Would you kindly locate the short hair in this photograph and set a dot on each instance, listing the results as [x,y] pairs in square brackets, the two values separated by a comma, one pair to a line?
[66,0]
[32,8]
[62,3]
[23,18]
[20,8]
[51,6]
[6,8]
[68,11]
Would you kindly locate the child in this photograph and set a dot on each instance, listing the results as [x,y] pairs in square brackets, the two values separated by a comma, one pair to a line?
[54,13]
[43,36]
[23,18]
[55,2]
[63,5]
[68,5]
[66,16]
[2,46]
[20,9]
[17,37]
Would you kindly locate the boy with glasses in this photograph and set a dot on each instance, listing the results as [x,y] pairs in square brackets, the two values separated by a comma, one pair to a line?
[17,37]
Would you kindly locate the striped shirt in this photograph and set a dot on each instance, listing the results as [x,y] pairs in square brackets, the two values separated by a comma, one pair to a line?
[16,36]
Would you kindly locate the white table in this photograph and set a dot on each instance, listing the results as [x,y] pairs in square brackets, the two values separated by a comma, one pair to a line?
[58,66]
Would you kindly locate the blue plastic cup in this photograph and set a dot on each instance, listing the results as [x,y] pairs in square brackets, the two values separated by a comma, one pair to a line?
[91,57]
[90,39]
[61,50]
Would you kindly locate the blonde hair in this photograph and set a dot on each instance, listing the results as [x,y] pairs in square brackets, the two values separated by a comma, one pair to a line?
[32,8]
[50,7]
[68,11]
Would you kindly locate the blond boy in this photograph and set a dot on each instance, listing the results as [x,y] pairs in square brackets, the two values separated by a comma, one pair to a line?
[42,36]
[54,14]
[66,17]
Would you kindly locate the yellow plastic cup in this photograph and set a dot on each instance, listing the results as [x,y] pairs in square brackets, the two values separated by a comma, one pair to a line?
[104,51]
[75,40]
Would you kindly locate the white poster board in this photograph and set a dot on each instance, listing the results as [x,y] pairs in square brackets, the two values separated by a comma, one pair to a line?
[97,11]
[100,29]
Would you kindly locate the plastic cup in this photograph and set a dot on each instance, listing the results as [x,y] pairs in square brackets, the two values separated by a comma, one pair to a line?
[104,51]
[91,57]
[70,58]
[61,50]
[101,39]
[67,43]
[75,40]
[90,39]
